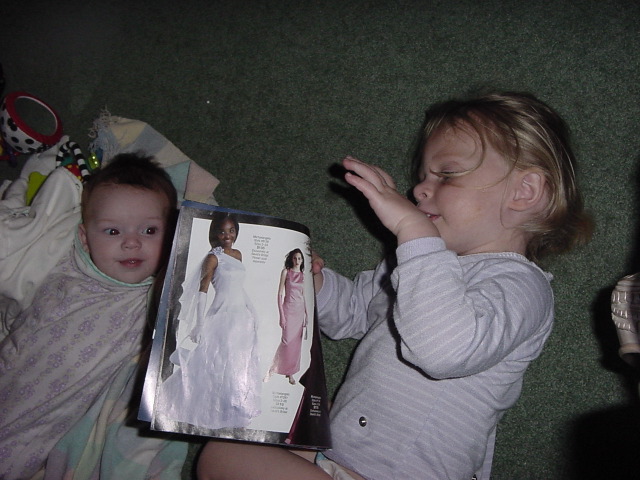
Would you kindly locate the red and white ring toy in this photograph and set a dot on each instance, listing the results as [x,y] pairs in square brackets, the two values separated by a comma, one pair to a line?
[17,134]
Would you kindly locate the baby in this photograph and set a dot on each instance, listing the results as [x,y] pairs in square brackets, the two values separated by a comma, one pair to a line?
[88,319]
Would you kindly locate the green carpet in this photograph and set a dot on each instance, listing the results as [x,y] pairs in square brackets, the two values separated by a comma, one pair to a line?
[267,95]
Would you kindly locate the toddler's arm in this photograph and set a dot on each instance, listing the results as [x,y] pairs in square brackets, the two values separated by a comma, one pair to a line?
[455,321]
[343,303]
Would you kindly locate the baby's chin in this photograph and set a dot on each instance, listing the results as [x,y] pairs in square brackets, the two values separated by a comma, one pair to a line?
[129,278]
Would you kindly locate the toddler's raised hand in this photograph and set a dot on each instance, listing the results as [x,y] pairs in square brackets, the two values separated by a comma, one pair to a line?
[395,211]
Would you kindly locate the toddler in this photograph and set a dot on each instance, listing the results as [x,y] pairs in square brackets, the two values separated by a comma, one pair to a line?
[450,325]
[87,320]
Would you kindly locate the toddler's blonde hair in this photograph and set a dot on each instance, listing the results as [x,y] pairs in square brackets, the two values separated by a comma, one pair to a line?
[527,133]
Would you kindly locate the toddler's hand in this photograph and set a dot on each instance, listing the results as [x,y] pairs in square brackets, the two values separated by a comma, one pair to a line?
[395,211]
[317,264]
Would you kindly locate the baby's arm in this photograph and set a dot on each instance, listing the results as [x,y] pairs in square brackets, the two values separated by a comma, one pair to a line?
[395,211]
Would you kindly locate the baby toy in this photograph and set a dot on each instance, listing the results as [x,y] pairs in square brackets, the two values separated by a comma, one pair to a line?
[71,157]
[18,136]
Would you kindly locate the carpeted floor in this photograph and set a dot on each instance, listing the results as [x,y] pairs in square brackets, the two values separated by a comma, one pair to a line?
[267,95]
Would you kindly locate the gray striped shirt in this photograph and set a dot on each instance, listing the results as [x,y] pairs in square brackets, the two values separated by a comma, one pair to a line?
[445,344]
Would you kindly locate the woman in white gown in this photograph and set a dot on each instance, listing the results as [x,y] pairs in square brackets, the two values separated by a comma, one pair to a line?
[217,384]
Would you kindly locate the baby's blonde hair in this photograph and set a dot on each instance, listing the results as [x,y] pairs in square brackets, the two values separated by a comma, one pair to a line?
[528,134]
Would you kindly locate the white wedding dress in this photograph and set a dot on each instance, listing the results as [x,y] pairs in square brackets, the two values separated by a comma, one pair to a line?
[217,384]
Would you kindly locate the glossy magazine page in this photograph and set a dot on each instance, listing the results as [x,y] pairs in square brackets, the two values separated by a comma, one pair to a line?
[236,351]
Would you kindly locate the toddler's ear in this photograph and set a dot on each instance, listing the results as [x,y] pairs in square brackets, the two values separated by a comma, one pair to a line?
[82,235]
[529,191]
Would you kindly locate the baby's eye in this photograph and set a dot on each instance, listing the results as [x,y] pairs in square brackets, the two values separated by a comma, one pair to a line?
[151,230]
[112,231]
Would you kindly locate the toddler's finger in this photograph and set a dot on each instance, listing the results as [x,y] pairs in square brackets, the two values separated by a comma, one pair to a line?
[371,173]
[317,265]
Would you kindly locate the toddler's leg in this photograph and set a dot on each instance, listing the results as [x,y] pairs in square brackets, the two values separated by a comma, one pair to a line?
[221,460]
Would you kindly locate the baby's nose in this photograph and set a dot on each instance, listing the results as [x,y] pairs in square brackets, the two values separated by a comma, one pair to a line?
[131,241]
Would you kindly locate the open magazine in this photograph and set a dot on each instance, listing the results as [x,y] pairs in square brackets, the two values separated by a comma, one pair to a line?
[236,352]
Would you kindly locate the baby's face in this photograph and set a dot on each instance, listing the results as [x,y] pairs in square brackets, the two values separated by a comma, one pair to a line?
[124,231]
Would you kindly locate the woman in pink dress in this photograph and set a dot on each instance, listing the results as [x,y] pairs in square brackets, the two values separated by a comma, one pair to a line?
[293,317]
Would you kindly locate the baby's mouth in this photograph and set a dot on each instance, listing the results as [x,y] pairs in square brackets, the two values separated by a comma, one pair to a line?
[131,262]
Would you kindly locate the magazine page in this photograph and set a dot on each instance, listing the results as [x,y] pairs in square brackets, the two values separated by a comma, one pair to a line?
[236,352]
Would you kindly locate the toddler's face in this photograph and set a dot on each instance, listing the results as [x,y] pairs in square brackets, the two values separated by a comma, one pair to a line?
[124,231]
[467,209]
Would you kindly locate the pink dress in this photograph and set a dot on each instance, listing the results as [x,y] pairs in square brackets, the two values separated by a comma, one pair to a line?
[292,320]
